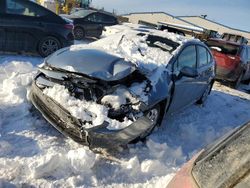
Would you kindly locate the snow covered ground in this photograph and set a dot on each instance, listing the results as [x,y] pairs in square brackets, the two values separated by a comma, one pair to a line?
[33,153]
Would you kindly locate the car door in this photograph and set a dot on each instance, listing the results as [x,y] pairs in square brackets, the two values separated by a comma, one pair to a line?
[23,26]
[205,69]
[93,23]
[184,87]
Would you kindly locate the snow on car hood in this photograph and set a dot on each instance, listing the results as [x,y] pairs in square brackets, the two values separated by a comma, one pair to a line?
[132,45]
[91,61]
[118,55]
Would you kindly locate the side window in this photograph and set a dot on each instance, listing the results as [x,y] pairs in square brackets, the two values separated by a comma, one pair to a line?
[204,56]
[187,58]
[95,18]
[108,19]
[25,8]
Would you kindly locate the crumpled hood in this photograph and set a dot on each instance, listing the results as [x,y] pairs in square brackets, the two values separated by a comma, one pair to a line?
[92,62]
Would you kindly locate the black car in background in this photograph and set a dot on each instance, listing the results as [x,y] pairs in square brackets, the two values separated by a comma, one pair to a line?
[28,27]
[90,23]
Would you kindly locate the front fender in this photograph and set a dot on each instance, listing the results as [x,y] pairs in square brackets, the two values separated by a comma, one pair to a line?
[161,90]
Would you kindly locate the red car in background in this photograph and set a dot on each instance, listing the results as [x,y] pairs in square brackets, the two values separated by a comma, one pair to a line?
[232,60]
[223,164]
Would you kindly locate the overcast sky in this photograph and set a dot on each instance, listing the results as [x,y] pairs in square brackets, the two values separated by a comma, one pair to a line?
[234,13]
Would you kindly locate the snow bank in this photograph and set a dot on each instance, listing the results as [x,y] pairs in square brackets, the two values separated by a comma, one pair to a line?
[82,109]
[13,76]
[78,161]
[111,30]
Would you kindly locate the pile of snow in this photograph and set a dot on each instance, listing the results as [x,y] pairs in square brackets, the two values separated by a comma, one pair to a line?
[128,45]
[120,97]
[85,110]
[110,30]
[125,44]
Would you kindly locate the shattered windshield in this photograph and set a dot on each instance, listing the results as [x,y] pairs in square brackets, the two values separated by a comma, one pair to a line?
[162,43]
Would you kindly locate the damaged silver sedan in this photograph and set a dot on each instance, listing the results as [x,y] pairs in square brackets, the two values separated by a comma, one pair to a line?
[113,95]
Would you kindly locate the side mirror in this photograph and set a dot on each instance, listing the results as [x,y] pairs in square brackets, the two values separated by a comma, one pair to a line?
[188,72]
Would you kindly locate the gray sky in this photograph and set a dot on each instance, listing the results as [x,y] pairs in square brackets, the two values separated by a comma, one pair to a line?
[233,13]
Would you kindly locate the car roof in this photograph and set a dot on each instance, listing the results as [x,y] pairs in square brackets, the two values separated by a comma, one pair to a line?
[87,11]
[90,11]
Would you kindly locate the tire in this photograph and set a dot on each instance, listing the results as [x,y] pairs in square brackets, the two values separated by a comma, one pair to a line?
[237,82]
[204,96]
[79,33]
[48,45]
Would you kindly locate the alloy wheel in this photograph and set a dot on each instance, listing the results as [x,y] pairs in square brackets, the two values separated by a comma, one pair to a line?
[78,33]
[48,46]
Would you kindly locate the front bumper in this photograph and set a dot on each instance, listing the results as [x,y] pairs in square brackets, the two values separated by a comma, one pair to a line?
[70,126]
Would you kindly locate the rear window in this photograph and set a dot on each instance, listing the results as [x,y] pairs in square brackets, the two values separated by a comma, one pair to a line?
[25,8]
[81,13]
[224,48]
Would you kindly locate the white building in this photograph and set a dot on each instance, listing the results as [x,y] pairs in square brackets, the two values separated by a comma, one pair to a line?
[197,21]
